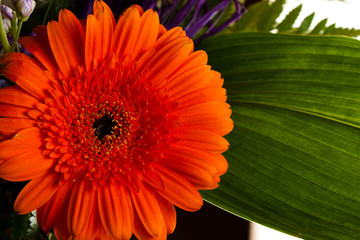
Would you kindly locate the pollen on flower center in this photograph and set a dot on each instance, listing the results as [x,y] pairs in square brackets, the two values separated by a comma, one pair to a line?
[104,127]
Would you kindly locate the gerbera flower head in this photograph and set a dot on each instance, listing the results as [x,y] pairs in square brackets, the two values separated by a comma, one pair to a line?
[113,124]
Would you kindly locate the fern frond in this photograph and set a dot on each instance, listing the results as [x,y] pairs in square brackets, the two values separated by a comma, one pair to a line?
[289,20]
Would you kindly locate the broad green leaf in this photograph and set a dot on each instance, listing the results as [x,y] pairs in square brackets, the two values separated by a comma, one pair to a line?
[294,156]
[289,20]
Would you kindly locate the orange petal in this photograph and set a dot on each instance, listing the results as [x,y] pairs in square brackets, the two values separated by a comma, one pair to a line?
[63,47]
[50,211]
[188,82]
[36,193]
[216,81]
[148,210]
[16,96]
[169,36]
[167,59]
[61,230]
[27,73]
[24,141]
[114,212]
[149,28]
[92,43]
[168,212]
[215,160]
[176,153]
[142,234]
[106,20]
[196,175]
[126,32]
[9,110]
[201,96]
[91,230]
[75,31]
[25,166]
[208,116]
[178,190]
[14,125]
[40,51]
[81,201]
[200,139]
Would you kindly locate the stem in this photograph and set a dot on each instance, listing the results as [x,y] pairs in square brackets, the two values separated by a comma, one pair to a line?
[3,38]
[47,12]
[16,36]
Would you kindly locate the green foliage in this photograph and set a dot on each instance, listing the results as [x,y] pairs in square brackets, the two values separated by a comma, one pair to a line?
[261,17]
[20,224]
[305,24]
[289,20]
[294,151]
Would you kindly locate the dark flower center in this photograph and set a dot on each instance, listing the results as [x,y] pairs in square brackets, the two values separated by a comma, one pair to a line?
[103,126]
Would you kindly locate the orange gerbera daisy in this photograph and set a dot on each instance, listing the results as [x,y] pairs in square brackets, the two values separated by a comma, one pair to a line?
[113,124]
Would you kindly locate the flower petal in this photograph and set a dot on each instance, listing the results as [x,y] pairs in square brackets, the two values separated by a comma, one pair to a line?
[147,209]
[202,139]
[168,212]
[48,214]
[171,56]
[115,213]
[142,234]
[215,160]
[14,125]
[196,175]
[36,193]
[27,73]
[178,190]
[16,96]
[208,116]
[63,47]
[149,29]
[24,141]
[25,166]
[40,51]
[9,110]
[81,201]
[106,20]
[126,32]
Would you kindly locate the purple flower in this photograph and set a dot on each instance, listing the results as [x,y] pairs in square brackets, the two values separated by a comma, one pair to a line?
[6,11]
[24,8]
[6,15]
[194,15]
[200,16]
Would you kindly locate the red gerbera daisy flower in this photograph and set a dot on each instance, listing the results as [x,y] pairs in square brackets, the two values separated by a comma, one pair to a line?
[113,124]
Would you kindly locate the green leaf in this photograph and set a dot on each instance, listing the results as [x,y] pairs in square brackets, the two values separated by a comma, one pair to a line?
[346,31]
[19,223]
[330,29]
[294,157]
[289,20]
[305,24]
[267,22]
[319,27]
[249,21]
